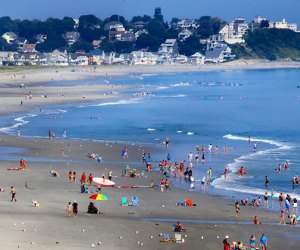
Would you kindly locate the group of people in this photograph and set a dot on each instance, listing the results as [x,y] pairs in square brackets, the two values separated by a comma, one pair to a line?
[72,176]
[240,246]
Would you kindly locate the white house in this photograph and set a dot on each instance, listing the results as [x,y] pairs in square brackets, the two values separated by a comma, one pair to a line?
[10,37]
[197,58]
[184,34]
[168,48]
[142,58]
[218,53]
[71,37]
[57,58]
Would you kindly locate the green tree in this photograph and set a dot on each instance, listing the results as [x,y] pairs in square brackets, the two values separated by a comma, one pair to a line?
[148,42]
[81,45]
[190,46]
[53,42]
[264,24]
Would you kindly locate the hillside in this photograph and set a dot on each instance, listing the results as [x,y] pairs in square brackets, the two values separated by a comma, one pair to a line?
[271,44]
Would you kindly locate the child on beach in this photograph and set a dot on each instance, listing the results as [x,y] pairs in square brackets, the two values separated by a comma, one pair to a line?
[69,209]
[13,193]
[282,221]
[237,210]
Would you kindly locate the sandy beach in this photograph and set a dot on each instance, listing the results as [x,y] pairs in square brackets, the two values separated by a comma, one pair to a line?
[48,226]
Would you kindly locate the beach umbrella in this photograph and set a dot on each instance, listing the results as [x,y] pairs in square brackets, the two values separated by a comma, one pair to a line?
[99,197]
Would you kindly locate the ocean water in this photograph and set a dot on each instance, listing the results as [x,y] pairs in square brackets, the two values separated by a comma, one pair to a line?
[222,108]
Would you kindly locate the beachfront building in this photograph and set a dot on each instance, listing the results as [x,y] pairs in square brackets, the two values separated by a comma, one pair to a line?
[196,59]
[31,58]
[78,59]
[57,58]
[8,58]
[9,37]
[96,57]
[218,53]
[184,34]
[71,37]
[168,49]
[142,58]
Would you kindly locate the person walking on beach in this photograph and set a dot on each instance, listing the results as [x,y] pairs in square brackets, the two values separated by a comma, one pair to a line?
[19,133]
[90,179]
[75,208]
[226,170]
[263,242]
[83,178]
[13,193]
[237,210]
[74,176]
[190,157]
[295,206]
[272,198]
[197,157]
[266,197]
[281,197]
[282,221]
[69,209]
[70,176]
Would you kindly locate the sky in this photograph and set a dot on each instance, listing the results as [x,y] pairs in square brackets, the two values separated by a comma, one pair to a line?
[227,9]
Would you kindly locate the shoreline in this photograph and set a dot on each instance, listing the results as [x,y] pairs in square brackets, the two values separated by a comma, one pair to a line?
[213,217]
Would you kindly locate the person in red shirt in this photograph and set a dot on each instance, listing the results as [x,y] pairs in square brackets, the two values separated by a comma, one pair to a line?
[83,178]
[226,243]
[90,178]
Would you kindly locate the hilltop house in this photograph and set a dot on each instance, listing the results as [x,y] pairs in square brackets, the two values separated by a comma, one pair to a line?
[232,33]
[71,37]
[283,25]
[184,34]
[127,36]
[186,24]
[40,38]
[10,37]
[168,48]
[116,30]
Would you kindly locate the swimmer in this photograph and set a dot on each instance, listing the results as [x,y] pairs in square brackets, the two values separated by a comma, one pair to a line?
[226,171]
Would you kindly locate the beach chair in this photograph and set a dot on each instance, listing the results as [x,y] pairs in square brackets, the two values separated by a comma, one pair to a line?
[135,201]
[124,201]
[178,238]
[166,238]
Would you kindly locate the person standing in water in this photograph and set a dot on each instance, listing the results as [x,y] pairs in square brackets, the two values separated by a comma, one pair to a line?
[267,181]
[226,171]
[167,142]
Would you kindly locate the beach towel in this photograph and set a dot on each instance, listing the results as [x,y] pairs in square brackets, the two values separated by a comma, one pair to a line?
[189,203]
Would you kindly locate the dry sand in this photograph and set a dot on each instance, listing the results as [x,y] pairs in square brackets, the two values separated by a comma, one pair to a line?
[49,223]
